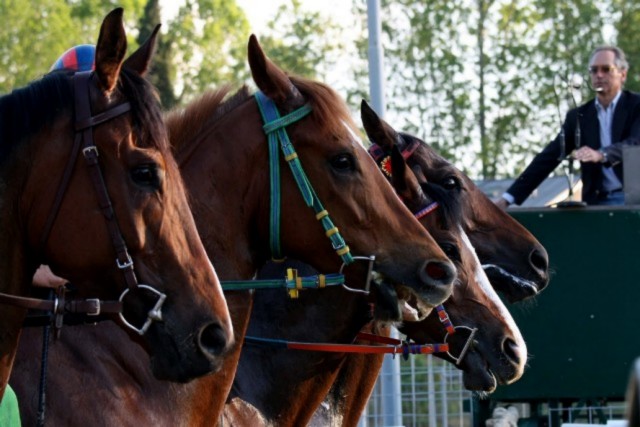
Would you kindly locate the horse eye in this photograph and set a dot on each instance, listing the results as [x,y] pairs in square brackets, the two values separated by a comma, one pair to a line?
[452,251]
[343,162]
[450,183]
[146,176]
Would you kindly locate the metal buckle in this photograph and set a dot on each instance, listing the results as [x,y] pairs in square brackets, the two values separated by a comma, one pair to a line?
[155,314]
[96,301]
[366,291]
[87,150]
[126,264]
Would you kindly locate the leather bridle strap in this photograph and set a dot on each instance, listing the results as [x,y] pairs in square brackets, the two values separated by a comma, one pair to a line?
[402,347]
[90,306]
[84,128]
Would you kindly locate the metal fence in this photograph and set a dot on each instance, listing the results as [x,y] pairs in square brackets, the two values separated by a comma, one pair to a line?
[432,395]
[596,415]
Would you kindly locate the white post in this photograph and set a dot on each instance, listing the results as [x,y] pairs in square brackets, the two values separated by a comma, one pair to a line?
[390,375]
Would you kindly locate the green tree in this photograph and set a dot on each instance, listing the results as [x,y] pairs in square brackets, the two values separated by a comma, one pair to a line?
[478,79]
[627,21]
[163,70]
[303,42]
[208,42]
[36,33]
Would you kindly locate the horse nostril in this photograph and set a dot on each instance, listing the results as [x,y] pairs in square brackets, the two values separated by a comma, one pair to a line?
[435,271]
[511,350]
[439,273]
[539,260]
[213,340]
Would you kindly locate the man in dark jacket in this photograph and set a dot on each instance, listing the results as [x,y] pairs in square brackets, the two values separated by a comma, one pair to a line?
[606,123]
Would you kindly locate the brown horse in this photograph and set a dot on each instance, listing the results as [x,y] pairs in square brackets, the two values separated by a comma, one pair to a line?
[286,390]
[515,262]
[497,353]
[133,187]
[217,144]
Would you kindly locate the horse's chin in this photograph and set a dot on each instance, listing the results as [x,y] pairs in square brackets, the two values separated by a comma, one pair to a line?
[513,288]
[477,376]
[398,302]
[162,370]
[413,308]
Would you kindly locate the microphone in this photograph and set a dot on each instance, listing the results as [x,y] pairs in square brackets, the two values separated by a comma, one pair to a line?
[575,81]
[561,137]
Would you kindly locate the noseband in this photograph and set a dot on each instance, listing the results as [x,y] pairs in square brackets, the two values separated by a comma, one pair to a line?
[83,141]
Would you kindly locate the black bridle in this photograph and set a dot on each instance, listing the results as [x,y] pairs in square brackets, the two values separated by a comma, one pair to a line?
[83,141]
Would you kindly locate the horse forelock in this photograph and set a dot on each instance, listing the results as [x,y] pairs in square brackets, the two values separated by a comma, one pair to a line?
[450,208]
[148,121]
[28,110]
[328,107]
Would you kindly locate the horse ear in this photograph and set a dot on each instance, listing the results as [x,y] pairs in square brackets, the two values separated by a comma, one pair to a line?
[110,50]
[404,181]
[377,129]
[270,79]
[140,60]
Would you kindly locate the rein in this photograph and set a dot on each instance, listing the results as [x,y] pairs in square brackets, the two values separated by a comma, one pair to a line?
[387,345]
[83,141]
[391,346]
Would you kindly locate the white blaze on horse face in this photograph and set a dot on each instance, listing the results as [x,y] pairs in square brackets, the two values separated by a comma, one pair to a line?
[355,137]
[485,285]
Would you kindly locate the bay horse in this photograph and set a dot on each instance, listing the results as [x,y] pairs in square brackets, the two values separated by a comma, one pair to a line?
[223,154]
[128,203]
[515,262]
[497,353]
[287,389]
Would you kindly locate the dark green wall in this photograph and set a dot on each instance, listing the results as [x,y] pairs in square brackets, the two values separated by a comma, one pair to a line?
[583,331]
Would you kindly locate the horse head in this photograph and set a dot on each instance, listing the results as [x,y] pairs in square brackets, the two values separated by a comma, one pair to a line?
[92,190]
[482,327]
[515,262]
[322,147]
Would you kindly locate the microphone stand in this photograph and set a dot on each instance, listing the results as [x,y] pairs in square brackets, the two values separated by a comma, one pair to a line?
[569,202]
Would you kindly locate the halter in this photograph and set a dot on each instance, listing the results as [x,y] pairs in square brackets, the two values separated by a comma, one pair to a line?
[274,128]
[383,160]
[84,123]
[278,139]
[389,345]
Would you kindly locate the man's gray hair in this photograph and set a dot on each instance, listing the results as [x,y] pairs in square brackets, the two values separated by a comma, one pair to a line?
[620,58]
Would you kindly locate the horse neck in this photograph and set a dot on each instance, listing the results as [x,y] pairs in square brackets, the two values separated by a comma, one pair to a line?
[219,173]
[353,386]
[329,315]
[14,267]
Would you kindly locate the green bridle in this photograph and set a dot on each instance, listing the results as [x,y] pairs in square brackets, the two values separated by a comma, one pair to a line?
[278,139]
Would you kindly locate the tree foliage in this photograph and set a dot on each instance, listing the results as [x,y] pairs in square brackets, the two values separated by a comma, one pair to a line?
[36,33]
[483,81]
[303,42]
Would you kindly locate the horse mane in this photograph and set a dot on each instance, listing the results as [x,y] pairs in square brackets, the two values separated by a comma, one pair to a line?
[27,110]
[327,105]
[186,123]
[148,122]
